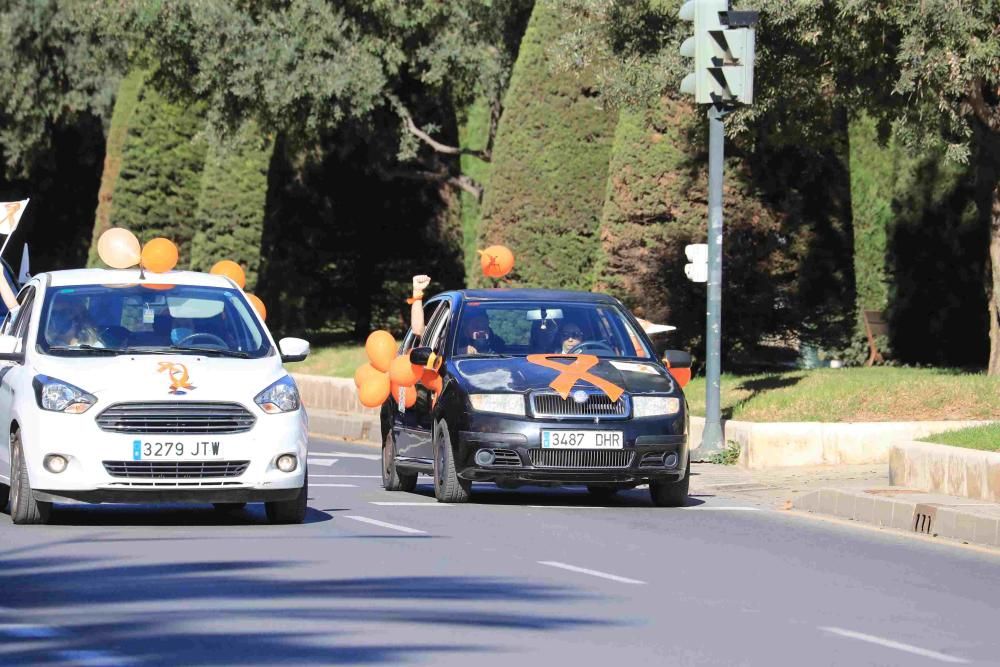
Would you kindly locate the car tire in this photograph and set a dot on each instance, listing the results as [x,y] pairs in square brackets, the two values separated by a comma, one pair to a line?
[671,493]
[392,478]
[289,511]
[24,509]
[228,507]
[602,493]
[448,488]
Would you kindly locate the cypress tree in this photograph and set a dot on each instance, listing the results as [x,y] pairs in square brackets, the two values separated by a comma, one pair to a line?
[549,166]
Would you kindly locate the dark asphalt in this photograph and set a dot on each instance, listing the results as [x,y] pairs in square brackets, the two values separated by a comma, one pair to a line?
[539,577]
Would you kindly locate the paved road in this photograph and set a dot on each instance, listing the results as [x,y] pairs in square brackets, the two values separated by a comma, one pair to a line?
[536,578]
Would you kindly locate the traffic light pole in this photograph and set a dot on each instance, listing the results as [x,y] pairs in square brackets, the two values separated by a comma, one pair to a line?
[712,437]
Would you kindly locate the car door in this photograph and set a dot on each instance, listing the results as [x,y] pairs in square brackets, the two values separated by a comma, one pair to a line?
[413,425]
[17,327]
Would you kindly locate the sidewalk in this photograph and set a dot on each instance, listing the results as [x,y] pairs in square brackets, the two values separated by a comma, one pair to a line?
[857,493]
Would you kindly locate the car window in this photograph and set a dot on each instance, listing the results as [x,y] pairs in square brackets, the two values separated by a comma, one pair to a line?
[140,318]
[435,334]
[22,317]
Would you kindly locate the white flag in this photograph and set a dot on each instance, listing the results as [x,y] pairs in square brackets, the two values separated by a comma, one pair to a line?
[10,215]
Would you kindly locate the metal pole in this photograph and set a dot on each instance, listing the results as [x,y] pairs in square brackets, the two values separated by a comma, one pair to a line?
[712,438]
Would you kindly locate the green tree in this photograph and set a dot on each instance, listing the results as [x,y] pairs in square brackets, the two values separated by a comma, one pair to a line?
[160,179]
[231,206]
[550,165]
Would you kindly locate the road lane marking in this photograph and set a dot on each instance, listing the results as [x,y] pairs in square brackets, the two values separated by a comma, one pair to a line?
[386,503]
[321,462]
[352,476]
[348,455]
[593,573]
[339,486]
[699,508]
[570,507]
[899,646]
[390,526]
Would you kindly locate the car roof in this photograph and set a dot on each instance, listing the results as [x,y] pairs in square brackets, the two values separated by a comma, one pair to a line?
[526,294]
[132,277]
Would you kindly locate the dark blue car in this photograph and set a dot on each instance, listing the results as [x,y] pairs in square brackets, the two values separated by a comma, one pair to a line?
[538,387]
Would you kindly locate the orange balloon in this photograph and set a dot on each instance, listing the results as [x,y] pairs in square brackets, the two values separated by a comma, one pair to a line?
[681,375]
[159,255]
[364,372]
[496,261]
[119,248]
[258,305]
[374,391]
[431,380]
[230,269]
[381,349]
[409,394]
[403,373]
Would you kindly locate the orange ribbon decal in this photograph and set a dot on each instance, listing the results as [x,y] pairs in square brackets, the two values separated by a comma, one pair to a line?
[178,376]
[570,373]
[11,219]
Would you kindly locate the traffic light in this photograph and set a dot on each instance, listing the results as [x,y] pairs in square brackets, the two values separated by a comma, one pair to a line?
[697,270]
[723,50]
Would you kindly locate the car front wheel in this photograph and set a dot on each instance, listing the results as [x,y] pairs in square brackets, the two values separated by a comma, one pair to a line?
[24,509]
[448,488]
[289,511]
[668,493]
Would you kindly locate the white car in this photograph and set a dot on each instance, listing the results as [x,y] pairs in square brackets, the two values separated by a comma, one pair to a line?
[122,387]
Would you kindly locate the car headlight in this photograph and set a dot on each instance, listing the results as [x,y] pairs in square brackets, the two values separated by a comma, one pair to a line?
[58,396]
[508,404]
[655,406]
[282,396]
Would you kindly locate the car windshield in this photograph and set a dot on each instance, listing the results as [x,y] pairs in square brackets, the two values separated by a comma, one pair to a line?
[149,319]
[522,328]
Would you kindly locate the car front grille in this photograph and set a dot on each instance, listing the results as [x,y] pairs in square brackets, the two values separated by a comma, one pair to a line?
[595,405]
[581,458]
[175,469]
[176,418]
[506,458]
[652,459]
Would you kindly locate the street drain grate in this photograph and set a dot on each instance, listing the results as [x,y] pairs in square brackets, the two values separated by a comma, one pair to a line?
[923,519]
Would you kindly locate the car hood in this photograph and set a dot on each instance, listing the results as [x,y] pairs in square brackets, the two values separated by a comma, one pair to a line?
[164,377]
[506,374]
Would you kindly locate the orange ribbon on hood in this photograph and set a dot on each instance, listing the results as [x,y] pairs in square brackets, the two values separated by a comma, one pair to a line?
[570,373]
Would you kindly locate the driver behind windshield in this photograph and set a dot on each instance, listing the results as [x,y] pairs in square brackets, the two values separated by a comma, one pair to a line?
[69,325]
[570,335]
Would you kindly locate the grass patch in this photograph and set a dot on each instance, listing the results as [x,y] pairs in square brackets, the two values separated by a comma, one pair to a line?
[976,437]
[854,394]
[340,360]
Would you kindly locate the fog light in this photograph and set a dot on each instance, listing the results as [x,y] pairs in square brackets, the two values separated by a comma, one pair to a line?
[485,457]
[55,463]
[670,460]
[287,463]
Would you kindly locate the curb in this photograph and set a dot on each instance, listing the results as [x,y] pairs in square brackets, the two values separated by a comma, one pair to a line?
[910,511]
[956,471]
[363,429]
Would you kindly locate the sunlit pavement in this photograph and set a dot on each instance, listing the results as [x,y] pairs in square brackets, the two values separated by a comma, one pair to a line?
[537,576]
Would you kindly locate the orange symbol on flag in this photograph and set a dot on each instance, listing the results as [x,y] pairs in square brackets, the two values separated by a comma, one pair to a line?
[570,373]
[178,376]
[9,221]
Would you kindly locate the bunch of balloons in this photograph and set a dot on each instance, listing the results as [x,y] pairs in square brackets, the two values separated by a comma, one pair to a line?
[496,261]
[386,374]
[120,249]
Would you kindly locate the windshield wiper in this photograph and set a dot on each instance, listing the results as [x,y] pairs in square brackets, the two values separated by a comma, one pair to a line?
[180,349]
[87,349]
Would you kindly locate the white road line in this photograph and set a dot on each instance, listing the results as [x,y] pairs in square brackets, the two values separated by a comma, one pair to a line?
[700,508]
[383,524]
[340,486]
[352,476]
[593,573]
[348,455]
[569,507]
[322,462]
[385,503]
[899,646]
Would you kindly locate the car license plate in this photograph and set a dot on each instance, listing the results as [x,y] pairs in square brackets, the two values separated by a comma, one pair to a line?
[567,439]
[175,450]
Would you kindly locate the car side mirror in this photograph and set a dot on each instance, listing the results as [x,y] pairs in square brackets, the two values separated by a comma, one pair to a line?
[419,356]
[293,349]
[10,349]
[678,363]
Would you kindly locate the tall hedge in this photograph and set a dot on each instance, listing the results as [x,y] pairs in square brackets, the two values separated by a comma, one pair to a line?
[549,165]
[656,204]
[230,216]
[126,102]
[473,135]
[160,180]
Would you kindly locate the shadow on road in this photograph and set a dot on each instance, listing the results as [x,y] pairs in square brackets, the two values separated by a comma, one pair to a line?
[168,515]
[491,494]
